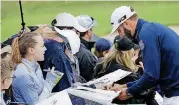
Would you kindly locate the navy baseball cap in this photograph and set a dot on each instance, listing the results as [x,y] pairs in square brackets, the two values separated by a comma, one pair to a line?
[103,45]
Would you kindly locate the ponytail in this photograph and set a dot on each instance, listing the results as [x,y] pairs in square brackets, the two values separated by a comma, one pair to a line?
[16,56]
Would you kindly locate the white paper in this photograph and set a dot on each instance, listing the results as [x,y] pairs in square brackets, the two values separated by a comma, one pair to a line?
[59,98]
[97,95]
[109,78]
[159,98]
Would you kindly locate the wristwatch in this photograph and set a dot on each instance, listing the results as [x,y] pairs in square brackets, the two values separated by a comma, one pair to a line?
[128,94]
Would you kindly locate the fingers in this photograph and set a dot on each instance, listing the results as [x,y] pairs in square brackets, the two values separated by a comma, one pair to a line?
[141,64]
[113,87]
[53,68]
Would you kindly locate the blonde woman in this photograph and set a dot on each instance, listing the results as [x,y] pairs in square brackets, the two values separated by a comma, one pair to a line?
[121,57]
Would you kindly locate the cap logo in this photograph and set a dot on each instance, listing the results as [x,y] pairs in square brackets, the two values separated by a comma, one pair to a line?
[122,19]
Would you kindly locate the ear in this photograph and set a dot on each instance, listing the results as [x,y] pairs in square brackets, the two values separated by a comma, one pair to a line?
[31,51]
[89,32]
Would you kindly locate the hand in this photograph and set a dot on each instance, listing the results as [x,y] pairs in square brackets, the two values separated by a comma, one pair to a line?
[118,87]
[54,76]
[115,87]
[141,64]
[123,95]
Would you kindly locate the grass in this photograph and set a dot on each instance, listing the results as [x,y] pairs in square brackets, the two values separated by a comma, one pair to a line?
[42,12]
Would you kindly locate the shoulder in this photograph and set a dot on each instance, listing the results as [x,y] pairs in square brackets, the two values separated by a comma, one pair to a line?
[84,52]
[150,32]
[149,28]
[54,45]
[21,79]
[115,66]
[22,73]
[21,70]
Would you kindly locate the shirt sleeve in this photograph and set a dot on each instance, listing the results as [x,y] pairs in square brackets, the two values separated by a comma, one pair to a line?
[27,89]
[150,46]
[129,84]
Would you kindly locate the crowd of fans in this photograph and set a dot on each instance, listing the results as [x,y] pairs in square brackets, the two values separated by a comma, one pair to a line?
[49,58]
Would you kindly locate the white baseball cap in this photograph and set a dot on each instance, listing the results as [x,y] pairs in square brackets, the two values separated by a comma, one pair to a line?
[119,16]
[86,21]
[68,20]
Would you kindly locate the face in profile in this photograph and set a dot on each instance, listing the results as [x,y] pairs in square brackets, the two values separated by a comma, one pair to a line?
[39,49]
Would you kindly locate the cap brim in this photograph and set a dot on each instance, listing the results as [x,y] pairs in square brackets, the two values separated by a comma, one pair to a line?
[79,28]
[58,30]
[114,30]
[92,25]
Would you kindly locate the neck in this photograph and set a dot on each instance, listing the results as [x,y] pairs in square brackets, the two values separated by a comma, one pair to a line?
[1,87]
[30,58]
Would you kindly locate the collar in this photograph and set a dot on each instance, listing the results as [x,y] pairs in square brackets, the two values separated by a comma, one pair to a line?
[85,43]
[31,64]
[139,25]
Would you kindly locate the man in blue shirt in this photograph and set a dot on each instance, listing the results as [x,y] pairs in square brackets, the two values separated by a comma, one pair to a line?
[160,53]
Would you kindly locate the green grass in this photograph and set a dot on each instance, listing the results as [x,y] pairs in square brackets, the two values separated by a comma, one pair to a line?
[43,12]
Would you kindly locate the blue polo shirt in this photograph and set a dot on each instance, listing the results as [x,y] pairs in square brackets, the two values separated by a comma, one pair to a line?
[160,52]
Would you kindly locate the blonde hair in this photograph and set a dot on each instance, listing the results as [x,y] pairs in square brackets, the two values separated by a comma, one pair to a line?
[46,31]
[121,57]
[7,66]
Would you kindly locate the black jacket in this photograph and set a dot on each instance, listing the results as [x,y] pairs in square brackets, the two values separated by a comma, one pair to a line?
[87,61]
[147,97]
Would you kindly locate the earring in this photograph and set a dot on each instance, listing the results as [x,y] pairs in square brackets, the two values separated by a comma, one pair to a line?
[29,59]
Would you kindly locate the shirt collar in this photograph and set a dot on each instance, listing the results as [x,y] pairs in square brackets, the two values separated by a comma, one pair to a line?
[139,25]
[32,64]
[85,43]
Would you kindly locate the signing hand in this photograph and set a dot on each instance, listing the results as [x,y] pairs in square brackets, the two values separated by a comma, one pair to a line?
[123,95]
[118,87]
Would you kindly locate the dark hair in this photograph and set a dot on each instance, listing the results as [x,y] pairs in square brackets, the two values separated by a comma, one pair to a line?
[21,44]
[82,34]
[64,27]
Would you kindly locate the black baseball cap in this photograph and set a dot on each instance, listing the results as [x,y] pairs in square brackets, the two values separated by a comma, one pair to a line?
[123,43]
